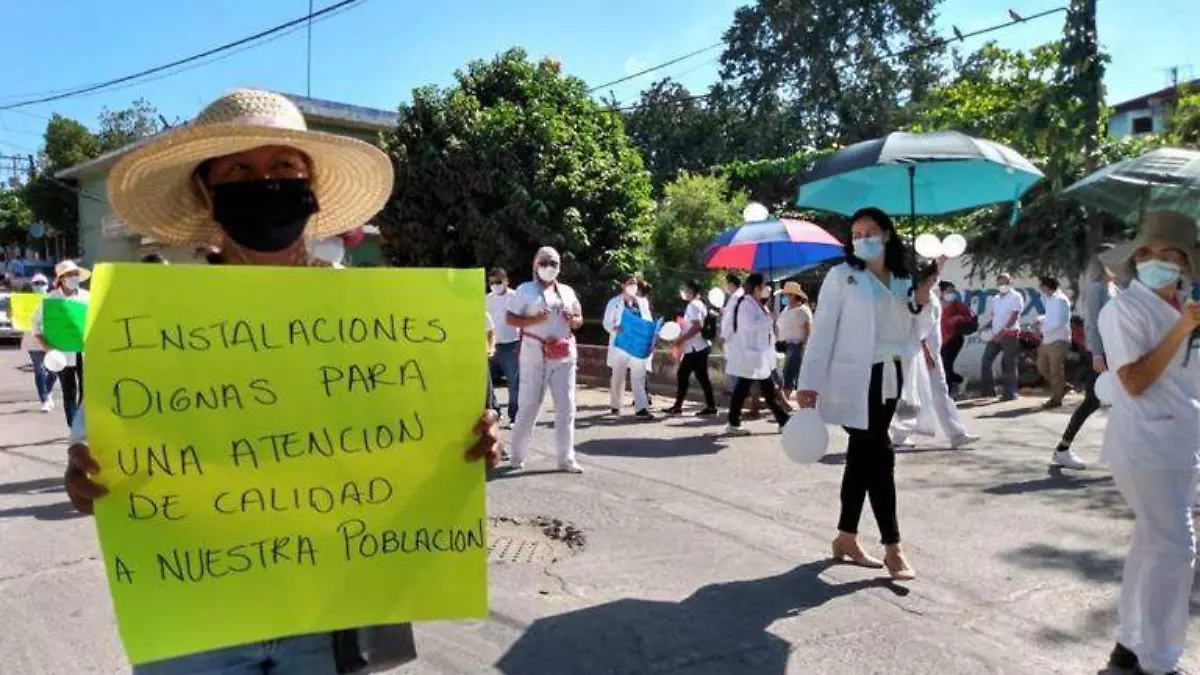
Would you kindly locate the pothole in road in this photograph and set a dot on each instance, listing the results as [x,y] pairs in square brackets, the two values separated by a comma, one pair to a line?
[533,541]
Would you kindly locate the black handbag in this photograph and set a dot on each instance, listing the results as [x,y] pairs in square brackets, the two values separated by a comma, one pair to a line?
[374,648]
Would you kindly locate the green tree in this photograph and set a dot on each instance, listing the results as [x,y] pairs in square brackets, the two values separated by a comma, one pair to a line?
[15,217]
[54,203]
[515,156]
[675,131]
[826,67]
[119,128]
[694,209]
[1184,128]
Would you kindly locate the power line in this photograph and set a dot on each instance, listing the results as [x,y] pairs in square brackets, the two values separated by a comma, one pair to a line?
[904,52]
[660,66]
[195,57]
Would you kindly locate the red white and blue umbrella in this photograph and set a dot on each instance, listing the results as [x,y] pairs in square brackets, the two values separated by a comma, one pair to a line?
[771,246]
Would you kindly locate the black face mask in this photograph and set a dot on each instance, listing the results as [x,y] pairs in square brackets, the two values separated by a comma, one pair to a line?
[264,215]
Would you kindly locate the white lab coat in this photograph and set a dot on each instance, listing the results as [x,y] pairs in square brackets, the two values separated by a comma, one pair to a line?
[537,374]
[750,348]
[621,361]
[936,410]
[841,347]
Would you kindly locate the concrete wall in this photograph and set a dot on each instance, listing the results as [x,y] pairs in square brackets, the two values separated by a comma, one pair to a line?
[1121,124]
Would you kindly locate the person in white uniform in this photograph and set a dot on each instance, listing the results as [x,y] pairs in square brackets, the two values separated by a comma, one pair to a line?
[935,409]
[1005,341]
[750,354]
[1056,341]
[869,321]
[1152,441]
[621,361]
[547,313]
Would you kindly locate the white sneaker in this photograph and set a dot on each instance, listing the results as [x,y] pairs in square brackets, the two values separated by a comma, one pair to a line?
[570,467]
[1067,459]
[516,466]
[48,406]
[739,430]
[963,441]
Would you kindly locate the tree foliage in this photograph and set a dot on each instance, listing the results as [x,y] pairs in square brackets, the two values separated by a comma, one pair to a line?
[694,209]
[1184,128]
[119,128]
[512,157]
[15,217]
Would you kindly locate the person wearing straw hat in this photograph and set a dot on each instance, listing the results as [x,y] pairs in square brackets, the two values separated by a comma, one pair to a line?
[67,279]
[43,379]
[248,178]
[792,328]
[1152,441]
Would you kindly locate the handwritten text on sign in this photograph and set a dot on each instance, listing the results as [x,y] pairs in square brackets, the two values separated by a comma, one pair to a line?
[284,450]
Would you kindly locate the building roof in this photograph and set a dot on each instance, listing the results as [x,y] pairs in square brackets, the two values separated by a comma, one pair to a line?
[1156,97]
[315,110]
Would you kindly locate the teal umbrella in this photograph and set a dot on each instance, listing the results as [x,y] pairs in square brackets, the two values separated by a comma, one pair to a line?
[1162,179]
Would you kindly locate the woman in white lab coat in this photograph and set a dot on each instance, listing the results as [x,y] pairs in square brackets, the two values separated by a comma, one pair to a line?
[750,353]
[869,321]
[1152,441]
[621,361]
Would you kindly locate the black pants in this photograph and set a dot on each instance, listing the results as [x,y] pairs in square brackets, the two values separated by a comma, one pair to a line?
[71,380]
[950,352]
[769,392]
[871,465]
[694,363]
[1090,405]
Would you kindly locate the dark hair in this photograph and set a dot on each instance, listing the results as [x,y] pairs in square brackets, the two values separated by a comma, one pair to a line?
[153,258]
[754,281]
[945,286]
[498,273]
[693,286]
[733,279]
[894,254]
[1049,282]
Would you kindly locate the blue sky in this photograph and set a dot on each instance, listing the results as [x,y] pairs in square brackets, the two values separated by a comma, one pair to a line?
[374,54]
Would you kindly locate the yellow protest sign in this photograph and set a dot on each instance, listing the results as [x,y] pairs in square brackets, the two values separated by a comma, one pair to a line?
[23,306]
[284,450]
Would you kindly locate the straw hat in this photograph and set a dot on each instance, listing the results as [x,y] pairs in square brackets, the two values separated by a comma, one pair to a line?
[67,266]
[1169,227]
[152,190]
[794,288]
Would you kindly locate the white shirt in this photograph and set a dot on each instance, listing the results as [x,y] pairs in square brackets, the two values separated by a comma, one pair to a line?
[693,318]
[497,307]
[893,320]
[750,349]
[1161,428]
[793,323]
[530,298]
[1003,307]
[727,314]
[81,295]
[1056,324]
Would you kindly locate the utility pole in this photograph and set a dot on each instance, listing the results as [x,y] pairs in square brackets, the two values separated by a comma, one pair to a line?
[308,87]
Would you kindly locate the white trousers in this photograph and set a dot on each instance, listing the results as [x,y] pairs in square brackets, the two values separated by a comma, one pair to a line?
[621,361]
[536,377]
[945,412]
[1157,582]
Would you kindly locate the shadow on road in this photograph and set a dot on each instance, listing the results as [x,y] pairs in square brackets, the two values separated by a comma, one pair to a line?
[56,511]
[1056,479]
[652,447]
[721,628]
[1011,414]
[39,486]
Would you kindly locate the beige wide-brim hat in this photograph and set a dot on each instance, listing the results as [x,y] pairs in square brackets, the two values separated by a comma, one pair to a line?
[793,288]
[1158,227]
[152,189]
[68,266]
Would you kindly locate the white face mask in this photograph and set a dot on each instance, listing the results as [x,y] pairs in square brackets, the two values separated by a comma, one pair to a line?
[72,283]
[498,289]
[631,290]
[684,296]
[40,288]
[1004,289]
[547,274]
[764,294]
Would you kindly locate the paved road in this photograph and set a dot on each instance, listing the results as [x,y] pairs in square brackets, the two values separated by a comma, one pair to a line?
[703,555]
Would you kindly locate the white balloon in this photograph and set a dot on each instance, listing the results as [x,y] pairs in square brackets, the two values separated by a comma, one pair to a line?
[928,246]
[1106,387]
[54,361]
[805,438]
[670,331]
[954,245]
[755,212]
[716,297]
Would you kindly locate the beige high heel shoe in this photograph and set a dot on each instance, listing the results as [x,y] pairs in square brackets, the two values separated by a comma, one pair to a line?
[898,567]
[844,552]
